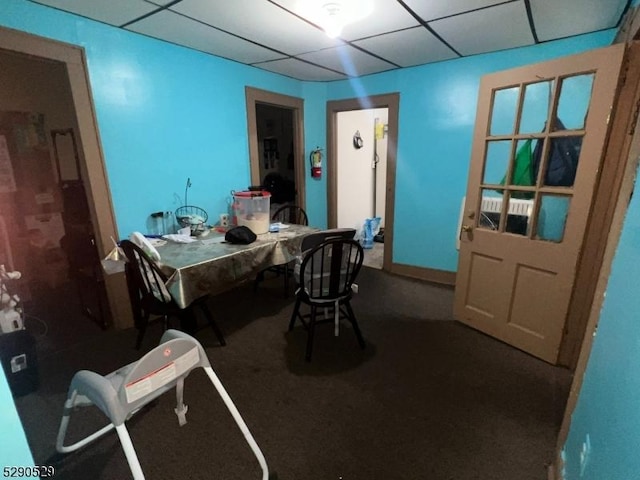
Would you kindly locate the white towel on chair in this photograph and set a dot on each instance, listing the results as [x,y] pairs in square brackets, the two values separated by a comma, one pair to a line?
[141,241]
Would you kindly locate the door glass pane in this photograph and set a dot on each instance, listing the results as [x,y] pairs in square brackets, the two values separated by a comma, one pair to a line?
[518,213]
[573,103]
[490,209]
[496,162]
[562,161]
[522,169]
[552,217]
[503,115]
[535,106]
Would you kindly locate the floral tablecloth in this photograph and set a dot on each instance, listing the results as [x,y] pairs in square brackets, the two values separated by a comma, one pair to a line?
[211,266]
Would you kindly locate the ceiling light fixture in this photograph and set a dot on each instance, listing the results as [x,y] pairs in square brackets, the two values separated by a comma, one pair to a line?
[333,16]
[332,22]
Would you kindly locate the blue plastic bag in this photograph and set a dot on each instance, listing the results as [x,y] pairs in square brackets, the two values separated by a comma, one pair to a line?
[370,229]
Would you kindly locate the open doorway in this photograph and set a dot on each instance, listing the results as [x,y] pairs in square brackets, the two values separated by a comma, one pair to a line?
[276,145]
[57,220]
[361,173]
[275,151]
[50,236]
[362,142]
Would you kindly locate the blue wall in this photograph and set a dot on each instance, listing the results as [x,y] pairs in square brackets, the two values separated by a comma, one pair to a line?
[315,135]
[14,450]
[437,116]
[608,409]
[606,421]
[166,113]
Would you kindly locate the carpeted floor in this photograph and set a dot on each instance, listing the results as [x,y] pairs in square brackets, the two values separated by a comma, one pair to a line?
[427,399]
[374,257]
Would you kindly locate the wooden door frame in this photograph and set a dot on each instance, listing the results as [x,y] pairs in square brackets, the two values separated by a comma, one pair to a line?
[93,167]
[255,96]
[616,186]
[605,202]
[391,101]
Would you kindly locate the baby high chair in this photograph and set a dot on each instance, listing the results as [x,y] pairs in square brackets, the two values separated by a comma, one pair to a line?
[120,394]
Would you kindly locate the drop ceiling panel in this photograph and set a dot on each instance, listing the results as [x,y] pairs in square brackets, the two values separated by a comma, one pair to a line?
[387,16]
[181,30]
[113,12]
[301,70]
[258,32]
[348,60]
[484,30]
[259,21]
[550,18]
[433,9]
[410,47]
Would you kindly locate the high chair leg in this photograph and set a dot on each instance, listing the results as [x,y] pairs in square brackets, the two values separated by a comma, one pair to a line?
[130,452]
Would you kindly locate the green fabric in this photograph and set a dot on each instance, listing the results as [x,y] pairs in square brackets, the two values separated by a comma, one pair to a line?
[522,171]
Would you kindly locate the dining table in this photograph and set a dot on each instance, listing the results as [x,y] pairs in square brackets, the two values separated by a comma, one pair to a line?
[209,265]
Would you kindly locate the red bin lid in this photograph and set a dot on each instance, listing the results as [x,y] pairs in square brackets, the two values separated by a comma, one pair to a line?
[252,193]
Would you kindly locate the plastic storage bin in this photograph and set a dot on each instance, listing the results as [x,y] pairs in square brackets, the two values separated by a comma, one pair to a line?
[252,209]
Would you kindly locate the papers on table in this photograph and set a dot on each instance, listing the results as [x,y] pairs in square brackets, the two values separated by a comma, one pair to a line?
[277,226]
[178,238]
[157,242]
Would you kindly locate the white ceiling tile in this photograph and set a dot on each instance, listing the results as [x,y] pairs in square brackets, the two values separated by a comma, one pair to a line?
[113,12]
[259,21]
[387,16]
[301,70]
[348,60]
[432,9]
[267,32]
[178,29]
[407,48]
[484,30]
[551,18]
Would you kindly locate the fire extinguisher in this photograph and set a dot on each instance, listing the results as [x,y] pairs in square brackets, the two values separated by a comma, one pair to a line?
[316,162]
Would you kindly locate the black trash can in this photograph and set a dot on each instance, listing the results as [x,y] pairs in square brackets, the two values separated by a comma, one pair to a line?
[19,361]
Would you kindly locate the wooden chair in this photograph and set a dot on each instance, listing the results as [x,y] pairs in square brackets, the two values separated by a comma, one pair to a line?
[325,279]
[149,296]
[316,238]
[291,214]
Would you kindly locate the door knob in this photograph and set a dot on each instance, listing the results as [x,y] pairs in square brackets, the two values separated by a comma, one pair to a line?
[467,228]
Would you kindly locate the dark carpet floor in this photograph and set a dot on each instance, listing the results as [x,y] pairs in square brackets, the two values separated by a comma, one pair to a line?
[427,399]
